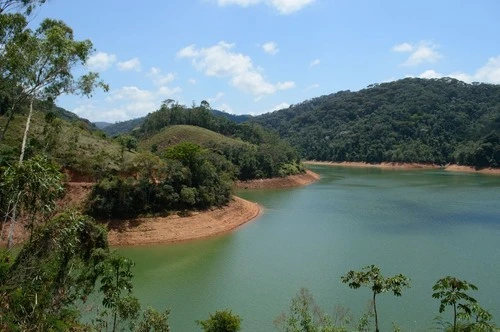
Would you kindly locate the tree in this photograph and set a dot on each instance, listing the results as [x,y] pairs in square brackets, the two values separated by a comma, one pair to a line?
[370,276]
[53,270]
[12,27]
[451,291]
[31,188]
[41,61]
[221,321]
[116,276]
[16,5]
[153,320]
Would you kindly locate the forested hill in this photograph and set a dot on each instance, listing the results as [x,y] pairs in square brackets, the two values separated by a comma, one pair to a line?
[410,120]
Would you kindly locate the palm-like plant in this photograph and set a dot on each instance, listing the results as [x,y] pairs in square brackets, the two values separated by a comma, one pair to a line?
[371,276]
[452,292]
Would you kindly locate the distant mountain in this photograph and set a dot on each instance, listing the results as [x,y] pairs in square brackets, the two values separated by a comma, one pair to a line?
[71,117]
[102,125]
[410,120]
[233,117]
[123,127]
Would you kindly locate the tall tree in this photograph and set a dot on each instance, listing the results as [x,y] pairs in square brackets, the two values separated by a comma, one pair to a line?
[370,276]
[41,63]
[12,31]
[26,6]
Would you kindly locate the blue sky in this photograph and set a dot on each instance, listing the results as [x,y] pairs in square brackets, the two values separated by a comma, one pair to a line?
[255,56]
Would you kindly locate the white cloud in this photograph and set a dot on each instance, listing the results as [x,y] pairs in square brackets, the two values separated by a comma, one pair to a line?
[430,74]
[282,6]
[217,97]
[188,52]
[404,47]
[279,107]
[129,93]
[168,92]
[220,61]
[126,103]
[192,81]
[315,62]
[159,78]
[132,64]
[489,73]
[225,107]
[422,52]
[101,61]
[270,48]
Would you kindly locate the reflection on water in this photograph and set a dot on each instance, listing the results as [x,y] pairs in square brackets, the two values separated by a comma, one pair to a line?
[424,224]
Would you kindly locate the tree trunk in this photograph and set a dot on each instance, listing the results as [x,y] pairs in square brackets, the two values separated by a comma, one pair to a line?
[375,312]
[454,317]
[26,130]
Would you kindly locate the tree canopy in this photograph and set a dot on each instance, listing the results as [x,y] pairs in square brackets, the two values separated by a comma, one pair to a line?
[411,120]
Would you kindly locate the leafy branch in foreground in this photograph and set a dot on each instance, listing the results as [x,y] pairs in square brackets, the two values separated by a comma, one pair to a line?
[370,276]
[451,291]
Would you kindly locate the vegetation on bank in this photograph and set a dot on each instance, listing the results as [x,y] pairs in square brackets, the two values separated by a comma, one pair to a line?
[414,120]
[187,178]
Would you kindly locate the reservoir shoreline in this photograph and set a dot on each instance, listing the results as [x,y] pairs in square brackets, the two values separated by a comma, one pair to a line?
[203,224]
[407,166]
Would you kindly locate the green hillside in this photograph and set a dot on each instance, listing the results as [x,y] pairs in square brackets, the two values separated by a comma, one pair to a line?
[411,120]
[264,155]
[176,134]
[71,142]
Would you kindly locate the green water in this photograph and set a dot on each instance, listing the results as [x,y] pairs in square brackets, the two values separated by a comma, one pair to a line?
[424,224]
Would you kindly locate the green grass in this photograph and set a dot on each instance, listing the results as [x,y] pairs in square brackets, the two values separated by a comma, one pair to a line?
[88,146]
[184,133]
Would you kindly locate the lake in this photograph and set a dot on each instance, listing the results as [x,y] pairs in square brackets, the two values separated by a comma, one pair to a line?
[425,224]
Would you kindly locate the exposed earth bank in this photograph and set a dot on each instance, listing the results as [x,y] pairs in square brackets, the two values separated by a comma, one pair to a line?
[276,183]
[403,166]
[173,228]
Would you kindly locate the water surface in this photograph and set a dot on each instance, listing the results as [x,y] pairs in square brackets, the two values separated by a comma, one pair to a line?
[424,224]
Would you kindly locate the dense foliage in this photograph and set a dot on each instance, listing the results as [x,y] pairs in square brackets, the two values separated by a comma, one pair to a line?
[221,321]
[264,155]
[186,178]
[411,120]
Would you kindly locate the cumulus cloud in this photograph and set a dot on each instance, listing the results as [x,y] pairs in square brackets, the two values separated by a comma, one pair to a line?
[192,81]
[270,48]
[422,52]
[431,73]
[226,108]
[132,64]
[220,61]
[101,61]
[159,78]
[279,107]
[488,73]
[404,47]
[215,98]
[315,62]
[126,103]
[282,6]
